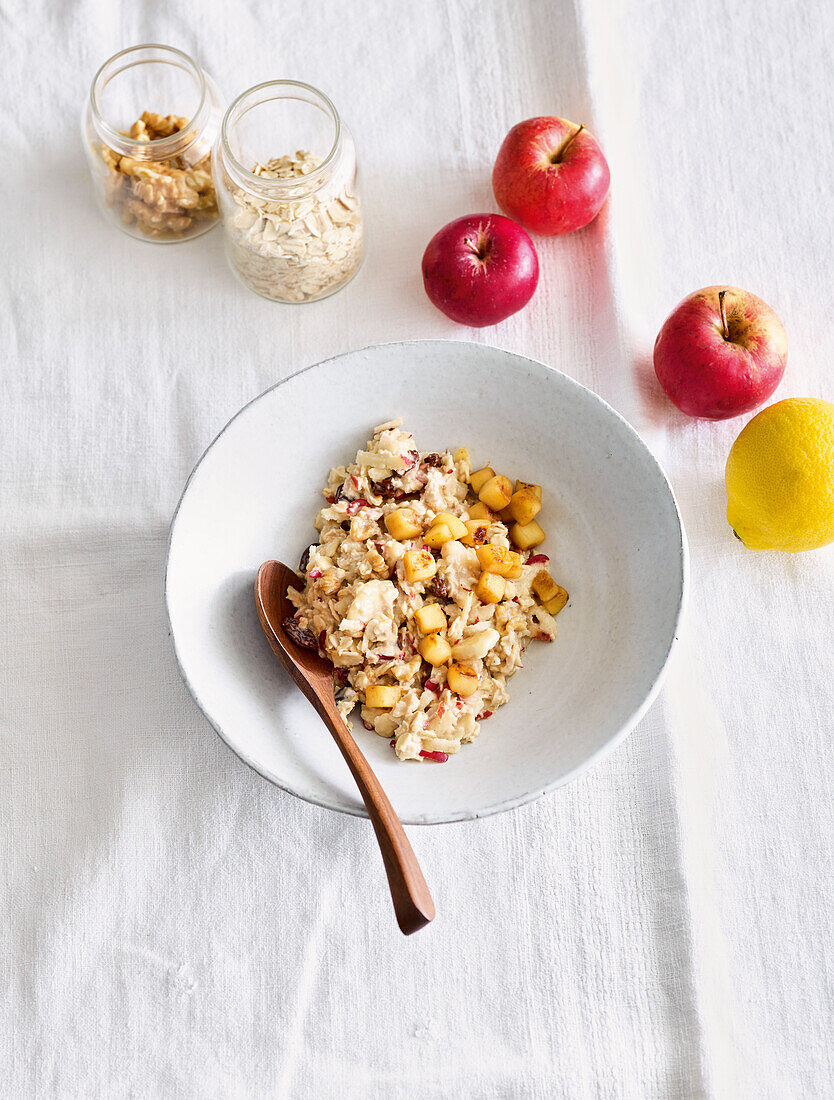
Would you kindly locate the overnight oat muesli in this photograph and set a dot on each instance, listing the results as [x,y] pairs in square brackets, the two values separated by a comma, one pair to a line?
[424,590]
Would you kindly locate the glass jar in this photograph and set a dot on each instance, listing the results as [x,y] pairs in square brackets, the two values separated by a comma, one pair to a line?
[285,169]
[151,170]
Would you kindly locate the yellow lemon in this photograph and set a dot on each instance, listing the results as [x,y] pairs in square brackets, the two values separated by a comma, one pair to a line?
[780,477]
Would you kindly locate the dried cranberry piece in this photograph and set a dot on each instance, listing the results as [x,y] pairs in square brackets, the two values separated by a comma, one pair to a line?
[314,574]
[353,506]
[433,460]
[305,638]
[537,559]
[440,757]
[485,714]
[438,587]
[367,725]
[479,535]
[430,685]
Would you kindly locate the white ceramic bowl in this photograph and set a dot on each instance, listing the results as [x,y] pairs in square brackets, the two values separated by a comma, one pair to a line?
[614,538]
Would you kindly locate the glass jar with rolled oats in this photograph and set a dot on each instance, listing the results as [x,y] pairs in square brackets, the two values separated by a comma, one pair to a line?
[285,169]
[149,125]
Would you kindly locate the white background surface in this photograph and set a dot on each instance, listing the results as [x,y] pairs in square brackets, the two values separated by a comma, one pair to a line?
[173,926]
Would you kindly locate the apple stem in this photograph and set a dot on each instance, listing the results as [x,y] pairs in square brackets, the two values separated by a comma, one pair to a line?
[725,332]
[481,248]
[560,152]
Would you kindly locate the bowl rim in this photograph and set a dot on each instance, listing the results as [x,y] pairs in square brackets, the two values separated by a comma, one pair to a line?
[515,802]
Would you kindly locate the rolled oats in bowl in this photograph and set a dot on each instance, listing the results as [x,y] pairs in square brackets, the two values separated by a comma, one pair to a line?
[424,589]
[293,222]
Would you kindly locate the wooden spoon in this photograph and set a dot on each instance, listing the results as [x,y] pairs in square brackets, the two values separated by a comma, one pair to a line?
[413,904]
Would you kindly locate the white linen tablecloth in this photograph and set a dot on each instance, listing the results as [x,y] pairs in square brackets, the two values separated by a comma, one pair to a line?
[171,925]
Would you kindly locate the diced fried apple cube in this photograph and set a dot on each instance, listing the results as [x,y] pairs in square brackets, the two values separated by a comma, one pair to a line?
[403,524]
[551,595]
[476,532]
[480,511]
[462,455]
[554,606]
[496,493]
[536,490]
[419,565]
[437,534]
[516,566]
[430,618]
[462,680]
[383,696]
[527,535]
[524,506]
[454,523]
[435,650]
[490,588]
[479,478]
[496,559]
[505,515]
[544,586]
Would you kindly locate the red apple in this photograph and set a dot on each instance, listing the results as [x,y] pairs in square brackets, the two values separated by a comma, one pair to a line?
[550,175]
[721,352]
[480,269]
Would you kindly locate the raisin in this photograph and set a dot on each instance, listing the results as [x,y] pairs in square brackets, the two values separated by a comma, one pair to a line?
[305,638]
[433,460]
[390,488]
[438,587]
[340,492]
[305,560]
[479,535]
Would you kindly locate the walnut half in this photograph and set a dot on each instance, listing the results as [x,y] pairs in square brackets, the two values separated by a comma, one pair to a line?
[161,198]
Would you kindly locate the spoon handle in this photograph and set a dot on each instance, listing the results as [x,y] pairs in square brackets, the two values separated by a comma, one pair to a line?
[413,903]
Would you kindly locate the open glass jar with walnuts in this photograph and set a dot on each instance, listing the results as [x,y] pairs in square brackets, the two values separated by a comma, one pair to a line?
[285,168]
[149,124]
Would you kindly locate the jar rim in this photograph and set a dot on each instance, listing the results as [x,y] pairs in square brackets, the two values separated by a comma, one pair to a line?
[163,147]
[249,179]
